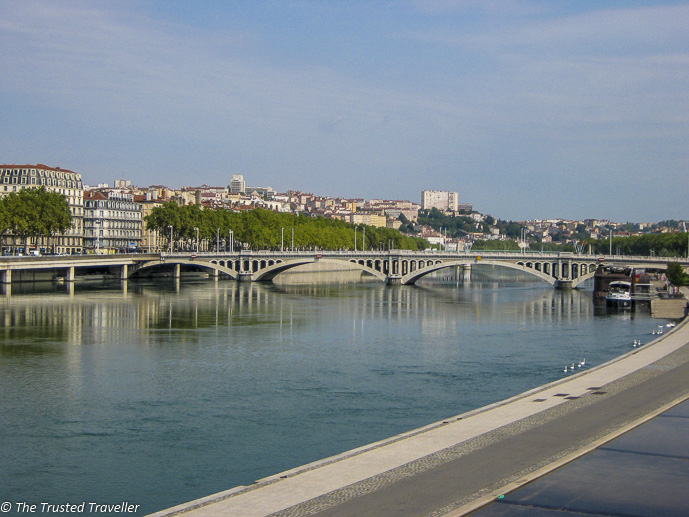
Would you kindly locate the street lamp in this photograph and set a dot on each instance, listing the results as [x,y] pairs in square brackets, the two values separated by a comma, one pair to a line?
[217,240]
[197,239]
[355,229]
[231,241]
[282,239]
[363,242]
[292,239]
[523,239]
[170,239]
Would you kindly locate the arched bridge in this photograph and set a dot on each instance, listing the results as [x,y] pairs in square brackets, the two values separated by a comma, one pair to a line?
[562,270]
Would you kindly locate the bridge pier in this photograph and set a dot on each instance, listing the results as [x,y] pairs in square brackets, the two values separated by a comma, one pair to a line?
[6,276]
[245,276]
[123,272]
[176,271]
[393,280]
[563,284]
[69,277]
[466,273]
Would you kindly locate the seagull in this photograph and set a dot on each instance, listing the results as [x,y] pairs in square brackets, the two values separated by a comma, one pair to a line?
[565,369]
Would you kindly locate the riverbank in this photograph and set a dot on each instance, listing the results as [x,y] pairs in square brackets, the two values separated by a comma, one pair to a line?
[456,465]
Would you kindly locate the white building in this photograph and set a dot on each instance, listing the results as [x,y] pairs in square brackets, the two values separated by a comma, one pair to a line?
[440,199]
[237,184]
[112,222]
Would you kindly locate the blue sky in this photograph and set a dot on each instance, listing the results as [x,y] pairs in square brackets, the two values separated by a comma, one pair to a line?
[528,109]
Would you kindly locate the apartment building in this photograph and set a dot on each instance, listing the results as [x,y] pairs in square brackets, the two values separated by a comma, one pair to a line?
[440,199]
[112,222]
[14,178]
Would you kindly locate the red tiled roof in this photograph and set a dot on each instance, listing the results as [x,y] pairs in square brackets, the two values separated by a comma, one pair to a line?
[94,194]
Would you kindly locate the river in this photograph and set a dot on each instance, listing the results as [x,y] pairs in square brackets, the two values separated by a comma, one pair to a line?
[157,393]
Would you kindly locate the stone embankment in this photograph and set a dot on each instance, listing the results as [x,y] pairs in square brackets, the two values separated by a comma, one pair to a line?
[671,308]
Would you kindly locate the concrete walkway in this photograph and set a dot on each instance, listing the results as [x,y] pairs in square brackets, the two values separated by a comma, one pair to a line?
[455,466]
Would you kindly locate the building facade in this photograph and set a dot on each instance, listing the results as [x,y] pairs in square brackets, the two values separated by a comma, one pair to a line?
[14,178]
[237,184]
[112,222]
[440,199]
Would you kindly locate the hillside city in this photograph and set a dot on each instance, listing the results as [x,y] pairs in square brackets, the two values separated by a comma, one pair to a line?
[109,219]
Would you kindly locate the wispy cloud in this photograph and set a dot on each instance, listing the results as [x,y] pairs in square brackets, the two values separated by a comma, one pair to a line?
[457,103]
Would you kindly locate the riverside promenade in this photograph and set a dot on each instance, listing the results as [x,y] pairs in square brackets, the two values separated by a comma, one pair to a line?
[465,462]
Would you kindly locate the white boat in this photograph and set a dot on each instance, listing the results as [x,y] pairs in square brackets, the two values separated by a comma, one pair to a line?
[619,294]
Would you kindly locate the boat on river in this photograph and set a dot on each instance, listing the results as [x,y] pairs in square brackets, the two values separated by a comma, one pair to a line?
[619,295]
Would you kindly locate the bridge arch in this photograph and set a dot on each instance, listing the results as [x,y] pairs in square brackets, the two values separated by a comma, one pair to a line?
[414,276]
[271,272]
[153,264]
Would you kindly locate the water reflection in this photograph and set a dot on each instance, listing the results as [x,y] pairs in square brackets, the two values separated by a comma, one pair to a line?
[153,307]
[219,383]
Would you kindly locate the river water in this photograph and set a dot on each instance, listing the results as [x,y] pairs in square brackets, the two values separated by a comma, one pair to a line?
[157,393]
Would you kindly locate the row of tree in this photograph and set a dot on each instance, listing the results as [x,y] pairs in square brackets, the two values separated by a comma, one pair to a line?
[264,229]
[34,212]
[658,244]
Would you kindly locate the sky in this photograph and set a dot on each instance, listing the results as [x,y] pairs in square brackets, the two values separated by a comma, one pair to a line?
[528,109]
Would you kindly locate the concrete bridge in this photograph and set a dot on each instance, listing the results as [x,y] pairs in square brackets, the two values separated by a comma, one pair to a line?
[562,270]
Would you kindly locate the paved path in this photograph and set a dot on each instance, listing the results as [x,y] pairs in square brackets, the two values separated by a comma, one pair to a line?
[643,473]
[452,467]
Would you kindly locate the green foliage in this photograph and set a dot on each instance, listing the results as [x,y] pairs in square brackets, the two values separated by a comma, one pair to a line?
[510,229]
[658,244]
[494,245]
[263,229]
[456,226]
[34,213]
[676,274]
[4,217]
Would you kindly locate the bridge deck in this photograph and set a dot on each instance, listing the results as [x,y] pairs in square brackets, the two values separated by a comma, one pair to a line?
[454,466]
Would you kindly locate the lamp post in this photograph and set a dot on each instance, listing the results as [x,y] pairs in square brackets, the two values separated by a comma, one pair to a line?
[282,239]
[217,240]
[355,229]
[231,241]
[523,239]
[170,239]
[197,239]
[363,242]
[611,241]
[292,239]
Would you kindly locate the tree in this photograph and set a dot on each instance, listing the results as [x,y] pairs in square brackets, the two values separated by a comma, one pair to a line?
[263,229]
[4,217]
[676,274]
[35,212]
